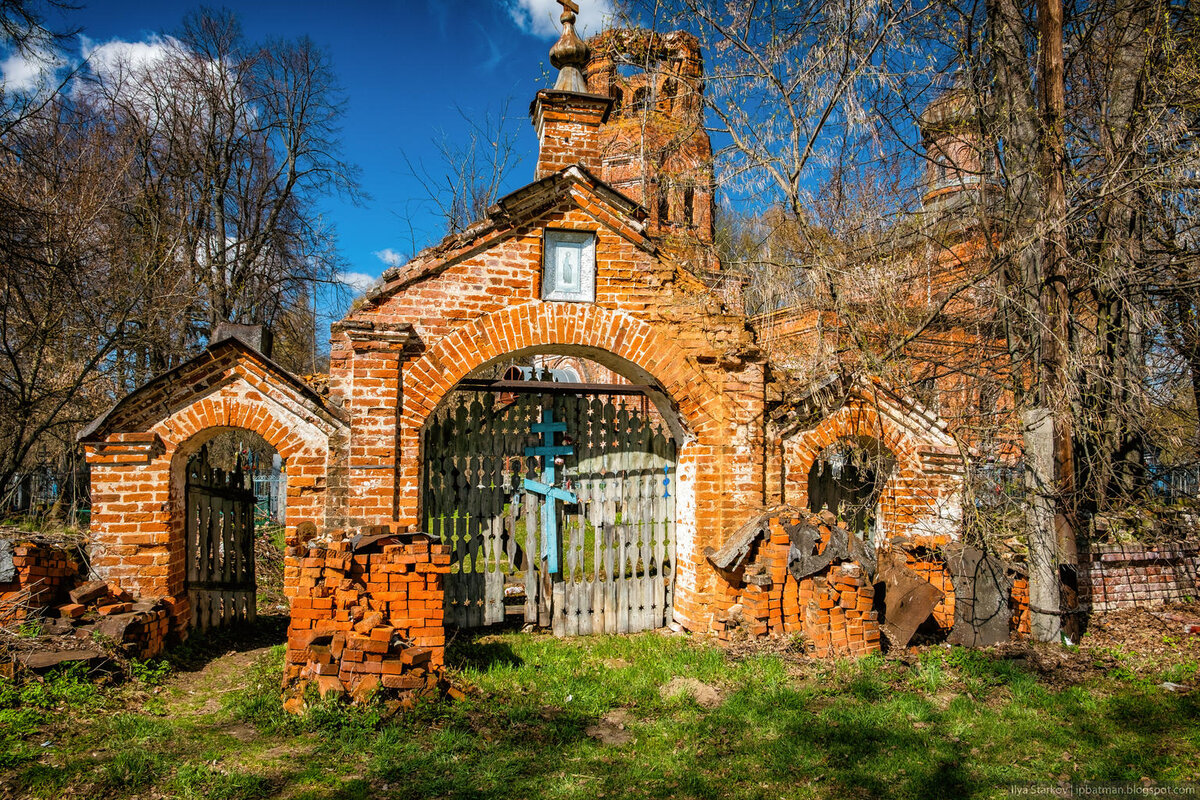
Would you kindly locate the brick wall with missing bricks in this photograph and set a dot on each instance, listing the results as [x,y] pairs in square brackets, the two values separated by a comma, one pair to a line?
[476,301]
[366,619]
[37,577]
[921,501]
[49,583]
[832,609]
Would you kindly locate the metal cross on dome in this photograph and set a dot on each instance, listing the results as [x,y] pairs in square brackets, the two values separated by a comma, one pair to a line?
[549,450]
[569,6]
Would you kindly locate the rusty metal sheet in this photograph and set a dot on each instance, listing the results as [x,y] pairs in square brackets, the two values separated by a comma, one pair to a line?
[908,600]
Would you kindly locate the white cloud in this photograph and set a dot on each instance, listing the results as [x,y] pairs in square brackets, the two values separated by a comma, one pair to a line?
[358,281]
[153,77]
[27,72]
[540,17]
[137,75]
[115,55]
[390,257]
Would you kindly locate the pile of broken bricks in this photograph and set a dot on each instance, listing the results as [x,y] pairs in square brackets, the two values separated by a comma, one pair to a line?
[838,615]
[832,606]
[98,619]
[367,618]
[33,575]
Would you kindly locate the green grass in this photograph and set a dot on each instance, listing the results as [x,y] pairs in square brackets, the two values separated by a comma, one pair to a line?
[950,723]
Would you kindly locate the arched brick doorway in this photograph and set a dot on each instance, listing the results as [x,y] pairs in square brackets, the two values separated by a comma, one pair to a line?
[695,411]
[558,498]
[138,452]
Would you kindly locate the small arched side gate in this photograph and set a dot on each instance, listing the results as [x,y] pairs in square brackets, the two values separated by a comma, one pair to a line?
[220,544]
[559,507]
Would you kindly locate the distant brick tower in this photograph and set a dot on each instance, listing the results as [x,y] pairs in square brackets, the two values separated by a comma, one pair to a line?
[654,148]
[958,167]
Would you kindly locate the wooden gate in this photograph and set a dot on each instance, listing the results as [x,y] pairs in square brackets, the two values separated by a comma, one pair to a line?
[220,544]
[600,562]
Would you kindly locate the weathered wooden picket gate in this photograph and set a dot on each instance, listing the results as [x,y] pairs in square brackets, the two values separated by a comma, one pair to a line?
[220,544]
[617,539]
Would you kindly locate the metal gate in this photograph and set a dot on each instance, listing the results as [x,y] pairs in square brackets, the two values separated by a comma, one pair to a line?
[220,544]
[559,509]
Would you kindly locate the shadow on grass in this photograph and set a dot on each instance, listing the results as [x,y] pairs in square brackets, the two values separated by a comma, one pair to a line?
[203,647]
[481,653]
[860,730]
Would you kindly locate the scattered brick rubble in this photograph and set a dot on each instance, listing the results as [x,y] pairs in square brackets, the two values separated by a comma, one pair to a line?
[32,577]
[835,608]
[79,621]
[367,617]
[832,609]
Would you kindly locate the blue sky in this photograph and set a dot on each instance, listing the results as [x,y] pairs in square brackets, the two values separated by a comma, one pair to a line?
[406,66]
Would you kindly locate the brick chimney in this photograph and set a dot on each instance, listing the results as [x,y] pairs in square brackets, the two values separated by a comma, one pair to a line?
[257,337]
[568,117]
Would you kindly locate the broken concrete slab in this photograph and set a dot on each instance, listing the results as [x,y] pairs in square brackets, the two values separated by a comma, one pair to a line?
[982,587]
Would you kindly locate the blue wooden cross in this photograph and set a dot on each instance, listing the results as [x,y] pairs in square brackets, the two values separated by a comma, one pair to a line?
[548,449]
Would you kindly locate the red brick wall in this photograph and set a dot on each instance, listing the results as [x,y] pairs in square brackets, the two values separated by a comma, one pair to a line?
[657,153]
[568,127]
[1115,576]
[474,301]
[958,368]
[137,528]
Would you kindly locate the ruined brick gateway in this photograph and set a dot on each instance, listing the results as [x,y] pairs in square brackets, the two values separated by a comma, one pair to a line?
[645,307]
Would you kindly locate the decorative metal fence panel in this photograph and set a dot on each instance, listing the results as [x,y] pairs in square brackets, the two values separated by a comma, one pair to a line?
[600,561]
[220,544]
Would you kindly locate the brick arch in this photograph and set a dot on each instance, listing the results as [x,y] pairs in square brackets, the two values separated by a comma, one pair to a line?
[301,443]
[138,454]
[906,496]
[709,469]
[250,412]
[526,327]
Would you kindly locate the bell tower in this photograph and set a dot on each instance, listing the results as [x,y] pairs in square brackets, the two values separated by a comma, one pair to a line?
[568,117]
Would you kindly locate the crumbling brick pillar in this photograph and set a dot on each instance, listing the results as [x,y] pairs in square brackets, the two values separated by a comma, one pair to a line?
[367,619]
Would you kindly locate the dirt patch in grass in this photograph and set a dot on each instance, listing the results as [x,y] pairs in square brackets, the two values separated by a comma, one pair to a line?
[611,729]
[705,696]
[1148,632]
